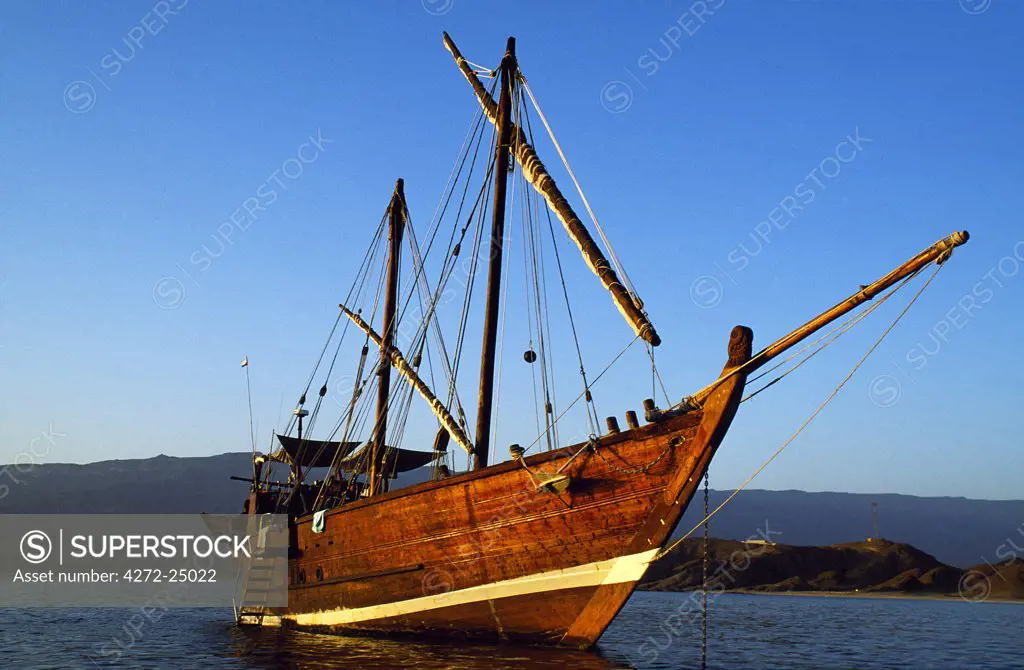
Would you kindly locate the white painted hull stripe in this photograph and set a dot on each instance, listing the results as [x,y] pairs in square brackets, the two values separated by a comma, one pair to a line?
[620,570]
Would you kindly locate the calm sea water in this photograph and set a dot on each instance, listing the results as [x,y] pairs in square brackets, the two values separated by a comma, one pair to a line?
[655,630]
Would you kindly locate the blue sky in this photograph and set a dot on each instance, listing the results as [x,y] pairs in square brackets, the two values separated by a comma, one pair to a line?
[131,131]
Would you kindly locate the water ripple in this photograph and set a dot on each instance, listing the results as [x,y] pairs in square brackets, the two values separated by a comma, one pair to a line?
[655,631]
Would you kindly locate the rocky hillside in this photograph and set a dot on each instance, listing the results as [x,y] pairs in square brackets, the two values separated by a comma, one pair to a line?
[1000,580]
[956,531]
[876,566]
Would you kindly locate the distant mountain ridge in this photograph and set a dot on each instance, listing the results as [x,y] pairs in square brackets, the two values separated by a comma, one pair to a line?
[869,567]
[956,531]
[158,485]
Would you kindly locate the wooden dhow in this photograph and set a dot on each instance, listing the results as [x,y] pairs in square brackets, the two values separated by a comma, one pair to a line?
[543,548]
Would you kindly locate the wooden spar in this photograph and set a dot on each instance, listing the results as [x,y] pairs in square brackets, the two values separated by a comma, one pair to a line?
[630,306]
[937,252]
[396,226]
[398,361]
[485,402]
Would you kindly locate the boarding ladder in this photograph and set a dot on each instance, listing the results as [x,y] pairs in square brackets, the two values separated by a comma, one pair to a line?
[256,575]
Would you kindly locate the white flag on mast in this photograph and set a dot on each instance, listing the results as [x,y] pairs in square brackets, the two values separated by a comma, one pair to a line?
[245,362]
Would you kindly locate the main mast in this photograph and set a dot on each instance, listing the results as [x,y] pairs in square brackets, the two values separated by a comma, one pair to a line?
[396,226]
[504,124]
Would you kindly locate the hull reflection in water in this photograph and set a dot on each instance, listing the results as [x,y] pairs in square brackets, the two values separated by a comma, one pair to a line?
[277,649]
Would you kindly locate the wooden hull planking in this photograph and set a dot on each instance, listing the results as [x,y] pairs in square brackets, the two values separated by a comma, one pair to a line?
[487,555]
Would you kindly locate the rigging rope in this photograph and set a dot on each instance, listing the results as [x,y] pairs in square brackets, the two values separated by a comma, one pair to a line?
[592,416]
[700,395]
[360,280]
[656,375]
[399,402]
[401,398]
[529,330]
[596,379]
[541,313]
[313,415]
[842,330]
[358,411]
[811,418]
[597,224]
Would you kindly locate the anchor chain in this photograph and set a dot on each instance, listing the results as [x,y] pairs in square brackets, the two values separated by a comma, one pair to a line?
[704,581]
[674,442]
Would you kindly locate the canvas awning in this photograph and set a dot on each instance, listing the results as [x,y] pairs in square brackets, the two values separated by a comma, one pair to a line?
[311,453]
[395,460]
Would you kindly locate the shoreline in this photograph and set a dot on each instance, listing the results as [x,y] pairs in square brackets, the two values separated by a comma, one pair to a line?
[861,594]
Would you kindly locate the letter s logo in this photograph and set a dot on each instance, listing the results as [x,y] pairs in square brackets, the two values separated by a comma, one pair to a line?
[36,546]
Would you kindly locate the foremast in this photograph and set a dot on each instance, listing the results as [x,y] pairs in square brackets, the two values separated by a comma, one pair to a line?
[396,227]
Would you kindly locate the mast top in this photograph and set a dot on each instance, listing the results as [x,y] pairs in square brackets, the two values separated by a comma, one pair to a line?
[510,46]
[627,302]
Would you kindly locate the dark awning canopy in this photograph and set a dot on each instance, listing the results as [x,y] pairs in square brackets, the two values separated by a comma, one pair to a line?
[395,461]
[323,454]
[311,453]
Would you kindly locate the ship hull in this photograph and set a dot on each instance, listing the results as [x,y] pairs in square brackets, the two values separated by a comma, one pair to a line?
[490,555]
